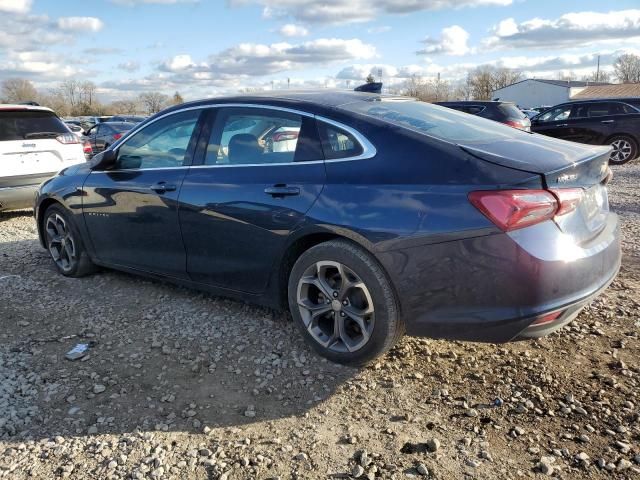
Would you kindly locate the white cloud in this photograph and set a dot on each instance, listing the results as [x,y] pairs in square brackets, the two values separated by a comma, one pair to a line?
[80,24]
[254,59]
[567,31]
[131,3]
[178,63]
[130,66]
[453,41]
[380,29]
[15,6]
[293,30]
[350,11]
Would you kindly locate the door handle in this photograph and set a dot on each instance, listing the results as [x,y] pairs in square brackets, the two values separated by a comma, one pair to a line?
[282,191]
[162,187]
[563,125]
[607,121]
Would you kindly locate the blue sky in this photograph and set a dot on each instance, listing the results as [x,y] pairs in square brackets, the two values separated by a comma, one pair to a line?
[210,47]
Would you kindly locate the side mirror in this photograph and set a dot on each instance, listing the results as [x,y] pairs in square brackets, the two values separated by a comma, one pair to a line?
[104,160]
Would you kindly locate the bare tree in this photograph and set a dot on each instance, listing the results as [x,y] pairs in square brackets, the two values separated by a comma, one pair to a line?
[627,68]
[87,92]
[127,107]
[503,77]
[597,77]
[153,101]
[176,99]
[464,89]
[55,101]
[370,79]
[427,90]
[70,91]
[18,90]
[481,82]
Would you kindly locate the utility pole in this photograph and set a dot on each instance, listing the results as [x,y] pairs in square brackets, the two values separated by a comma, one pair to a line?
[288,83]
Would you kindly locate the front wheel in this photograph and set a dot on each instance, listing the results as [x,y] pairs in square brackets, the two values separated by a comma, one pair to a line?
[624,149]
[64,243]
[343,303]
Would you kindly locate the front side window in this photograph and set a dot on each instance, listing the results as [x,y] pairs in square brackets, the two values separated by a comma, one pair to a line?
[254,136]
[161,144]
[556,114]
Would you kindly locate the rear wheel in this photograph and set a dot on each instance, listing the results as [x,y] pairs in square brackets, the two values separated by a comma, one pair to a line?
[624,149]
[64,243]
[343,303]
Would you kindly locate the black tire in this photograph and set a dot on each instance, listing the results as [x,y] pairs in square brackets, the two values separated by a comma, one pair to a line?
[74,260]
[368,283]
[625,149]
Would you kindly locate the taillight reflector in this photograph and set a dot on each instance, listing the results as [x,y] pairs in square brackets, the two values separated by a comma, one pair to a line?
[548,318]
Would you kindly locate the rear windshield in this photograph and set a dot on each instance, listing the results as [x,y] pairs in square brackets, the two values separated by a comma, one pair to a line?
[29,124]
[440,122]
[511,111]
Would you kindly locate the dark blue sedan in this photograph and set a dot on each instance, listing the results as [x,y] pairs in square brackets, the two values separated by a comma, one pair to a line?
[367,216]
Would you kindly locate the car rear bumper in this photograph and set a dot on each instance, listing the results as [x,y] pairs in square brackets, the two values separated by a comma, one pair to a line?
[493,288]
[18,192]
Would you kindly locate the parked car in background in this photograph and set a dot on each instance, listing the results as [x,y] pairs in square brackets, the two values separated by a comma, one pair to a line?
[75,127]
[102,135]
[596,122]
[503,112]
[127,118]
[530,113]
[34,145]
[384,215]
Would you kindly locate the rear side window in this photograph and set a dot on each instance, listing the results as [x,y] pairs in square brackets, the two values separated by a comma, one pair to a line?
[30,124]
[555,114]
[599,109]
[622,109]
[337,143]
[436,121]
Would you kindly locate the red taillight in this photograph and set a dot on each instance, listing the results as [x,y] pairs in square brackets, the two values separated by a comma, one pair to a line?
[513,209]
[117,136]
[68,138]
[86,147]
[568,199]
[548,318]
[283,136]
[521,125]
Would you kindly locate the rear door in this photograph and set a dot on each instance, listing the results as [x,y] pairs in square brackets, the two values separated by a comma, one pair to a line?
[34,146]
[260,171]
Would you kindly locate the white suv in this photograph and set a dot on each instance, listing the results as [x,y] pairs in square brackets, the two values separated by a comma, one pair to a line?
[34,145]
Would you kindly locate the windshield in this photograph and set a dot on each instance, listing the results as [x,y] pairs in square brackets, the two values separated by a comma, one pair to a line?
[32,124]
[440,122]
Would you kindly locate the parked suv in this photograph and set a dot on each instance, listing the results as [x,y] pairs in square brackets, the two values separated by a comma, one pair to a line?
[34,145]
[503,112]
[596,122]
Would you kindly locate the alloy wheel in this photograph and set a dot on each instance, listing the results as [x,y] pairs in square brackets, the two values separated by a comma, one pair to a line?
[621,150]
[61,242]
[336,306]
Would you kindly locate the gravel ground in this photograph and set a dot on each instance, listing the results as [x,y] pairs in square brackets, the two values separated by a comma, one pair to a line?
[185,385]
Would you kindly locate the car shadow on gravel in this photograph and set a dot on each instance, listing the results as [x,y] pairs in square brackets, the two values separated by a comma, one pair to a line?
[163,357]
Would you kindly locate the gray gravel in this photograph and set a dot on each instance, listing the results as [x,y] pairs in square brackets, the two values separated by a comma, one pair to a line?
[181,384]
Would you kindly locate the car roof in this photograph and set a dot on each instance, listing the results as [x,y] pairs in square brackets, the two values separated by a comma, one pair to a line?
[325,98]
[474,102]
[13,107]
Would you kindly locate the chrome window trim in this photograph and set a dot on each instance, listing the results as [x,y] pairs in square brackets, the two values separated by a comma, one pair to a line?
[368,150]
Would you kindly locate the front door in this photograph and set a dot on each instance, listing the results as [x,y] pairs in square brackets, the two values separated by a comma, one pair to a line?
[131,210]
[261,171]
[554,122]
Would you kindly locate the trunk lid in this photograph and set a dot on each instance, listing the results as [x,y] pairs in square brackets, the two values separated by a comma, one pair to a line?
[562,165]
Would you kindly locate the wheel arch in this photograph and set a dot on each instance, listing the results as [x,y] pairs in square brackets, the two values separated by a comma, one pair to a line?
[623,134]
[42,208]
[308,240]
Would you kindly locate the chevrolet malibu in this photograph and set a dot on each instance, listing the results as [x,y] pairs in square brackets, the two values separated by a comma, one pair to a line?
[376,216]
